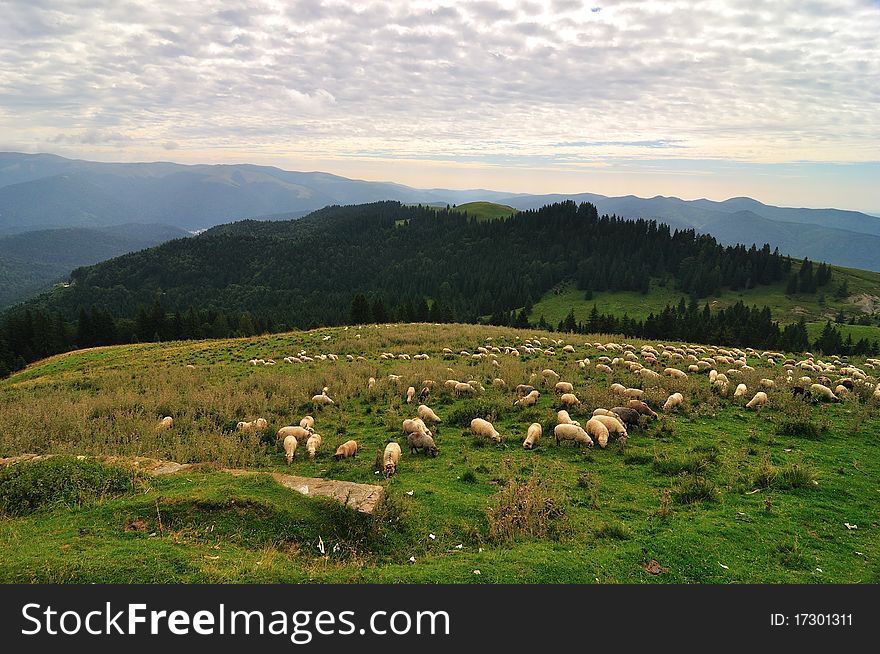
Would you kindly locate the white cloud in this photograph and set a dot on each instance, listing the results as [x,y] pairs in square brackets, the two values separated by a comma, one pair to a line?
[788,80]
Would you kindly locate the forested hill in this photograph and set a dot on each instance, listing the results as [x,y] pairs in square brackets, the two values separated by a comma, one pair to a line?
[307,272]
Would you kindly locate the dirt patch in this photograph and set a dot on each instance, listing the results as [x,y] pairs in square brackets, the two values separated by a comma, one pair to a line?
[869,304]
[361,497]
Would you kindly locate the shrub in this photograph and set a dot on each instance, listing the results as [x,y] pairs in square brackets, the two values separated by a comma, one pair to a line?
[490,410]
[615,530]
[469,477]
[29,486]
[526,509]
[694,489]
[800,427]
[791,475]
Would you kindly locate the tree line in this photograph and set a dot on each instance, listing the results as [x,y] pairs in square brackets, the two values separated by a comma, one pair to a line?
[377,262]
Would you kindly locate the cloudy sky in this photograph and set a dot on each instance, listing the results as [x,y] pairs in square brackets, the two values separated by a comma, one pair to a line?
[778,100]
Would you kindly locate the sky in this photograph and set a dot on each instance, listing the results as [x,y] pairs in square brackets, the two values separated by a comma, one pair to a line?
[776,100]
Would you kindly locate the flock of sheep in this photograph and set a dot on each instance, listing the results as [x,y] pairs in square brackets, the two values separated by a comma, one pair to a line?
[651,364]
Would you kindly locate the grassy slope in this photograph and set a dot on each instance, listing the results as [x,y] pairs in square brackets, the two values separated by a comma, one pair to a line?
[485,210]
[220,528]
[555,305]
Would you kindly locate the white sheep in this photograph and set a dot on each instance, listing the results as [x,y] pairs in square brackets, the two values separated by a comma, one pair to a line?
[673,401]
[563,387]
[390,459]
[758,401]
[426,414]
[166,423]
[529,400]
[481,427]
[741,389]
[322,399]
[290,445]
[633,393]
[562,418]
[532,436]
[413,425]
[314,444]
[410,394]
[613,425]
[601,367]
[569,399]
[769,384]
[308,422]
[675,372]
[347,449]
[573,433]
[821,391]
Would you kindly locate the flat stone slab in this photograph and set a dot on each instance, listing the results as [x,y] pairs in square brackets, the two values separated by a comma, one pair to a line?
[361,497]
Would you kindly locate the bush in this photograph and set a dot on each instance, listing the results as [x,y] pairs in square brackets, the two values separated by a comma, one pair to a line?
[490,410]
[29,486]
[791,475]
[800,428]
[693,489]
[614,530]
[526,508]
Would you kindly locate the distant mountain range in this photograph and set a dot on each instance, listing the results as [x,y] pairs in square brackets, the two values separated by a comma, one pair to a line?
[31,262]
[41,191]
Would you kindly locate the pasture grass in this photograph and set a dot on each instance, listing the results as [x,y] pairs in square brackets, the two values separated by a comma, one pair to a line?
[708,486]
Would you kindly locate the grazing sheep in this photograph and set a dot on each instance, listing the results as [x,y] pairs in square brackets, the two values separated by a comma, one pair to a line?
[548,373]
[314,444]
[673,401]
[532,436]
[423,394]
[421,441]
[480,427]
[463,389]
[390,459]
[410,394]
[574,433]
[166,423]
[758,401]
[602,412]
[524,389]
[562,418]
[529,400]
[614,425]
[308,422]
[767,383]
[841,390]
[630,417]
[601,367]
[618,389]
[642,408]
[499,383]
[426,414]
[569,349]
[569,399]
[647,373]
[675,372]
[322,399]
[411,425]
[252,425]
[876,393]
[299,433]
[348,449]
[563,387]
[634,393]
[371,382]
[823,393]
[741,389]
[290,445]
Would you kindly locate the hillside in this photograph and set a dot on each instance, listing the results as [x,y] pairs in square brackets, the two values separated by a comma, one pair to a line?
[711,491]
[31,262]
[485,210]
[386,261]
[39,191]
